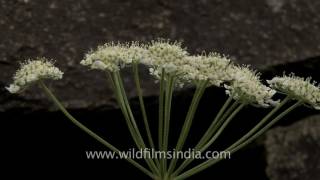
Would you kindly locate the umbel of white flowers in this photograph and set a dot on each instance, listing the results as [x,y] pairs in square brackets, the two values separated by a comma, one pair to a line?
[114,56]
[200,68]
[240,82]
[32,71]
[247,88]
[163,56]
[298,88]
[172,65]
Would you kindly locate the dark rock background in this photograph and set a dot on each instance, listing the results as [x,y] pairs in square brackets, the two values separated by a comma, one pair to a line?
[293,150]
[271,35]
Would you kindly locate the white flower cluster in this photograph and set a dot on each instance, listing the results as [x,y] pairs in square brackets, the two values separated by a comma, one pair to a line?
[247,88]
[32,71]
[158,55]
[214,68]
[241,83]
[113,57]
[298,88]
[165,55]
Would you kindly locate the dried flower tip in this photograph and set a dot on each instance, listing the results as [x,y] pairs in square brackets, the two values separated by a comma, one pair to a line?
[298,88]
[247,88]
[32,71]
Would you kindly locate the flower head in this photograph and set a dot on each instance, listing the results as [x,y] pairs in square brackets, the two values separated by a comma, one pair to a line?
[246,87]
[298,88]
[32,71]
[114,56]
[214,68]
[137,53]
[167,56]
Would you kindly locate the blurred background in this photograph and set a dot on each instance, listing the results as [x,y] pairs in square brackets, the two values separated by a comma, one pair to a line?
[272,36]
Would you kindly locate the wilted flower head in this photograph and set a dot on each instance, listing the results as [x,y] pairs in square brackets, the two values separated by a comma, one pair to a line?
[214,68]
[114,56]
[165,55]
[32,71]
[298,88]
[247,88]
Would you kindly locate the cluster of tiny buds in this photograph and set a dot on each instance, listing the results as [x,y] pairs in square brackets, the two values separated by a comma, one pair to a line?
[32,71]
[167,56]
[114,56]
[301,89]
[214,68]
[247,88]
[240,82]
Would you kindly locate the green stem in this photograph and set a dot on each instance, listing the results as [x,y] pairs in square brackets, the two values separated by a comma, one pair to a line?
[188,121]
[89,132]
[224,125]
[142,106]
[161,113]
[124,110]
[126,106]
[260,124]
[120,100]
[211,162]
[167,113]
[211,130]
[264,129]
[217,122]
[121,103]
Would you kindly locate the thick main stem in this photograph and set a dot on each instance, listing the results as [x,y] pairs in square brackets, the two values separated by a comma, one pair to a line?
[89,132]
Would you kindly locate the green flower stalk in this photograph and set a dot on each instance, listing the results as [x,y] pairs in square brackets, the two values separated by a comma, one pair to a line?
[110,58]
[172,67]
[40,69]
[245,88]
[211,162]
[198,70]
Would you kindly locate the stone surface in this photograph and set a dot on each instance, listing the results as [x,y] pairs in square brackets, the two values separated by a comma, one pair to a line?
[293,151]
[260,33]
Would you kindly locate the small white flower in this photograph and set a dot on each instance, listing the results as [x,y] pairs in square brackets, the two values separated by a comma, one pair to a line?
[298,88]
[167,56]
[137,53]
[32,71]
[171,57]
[113,57]
[13,88]
[214,68]
[99,65]
[247,88]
